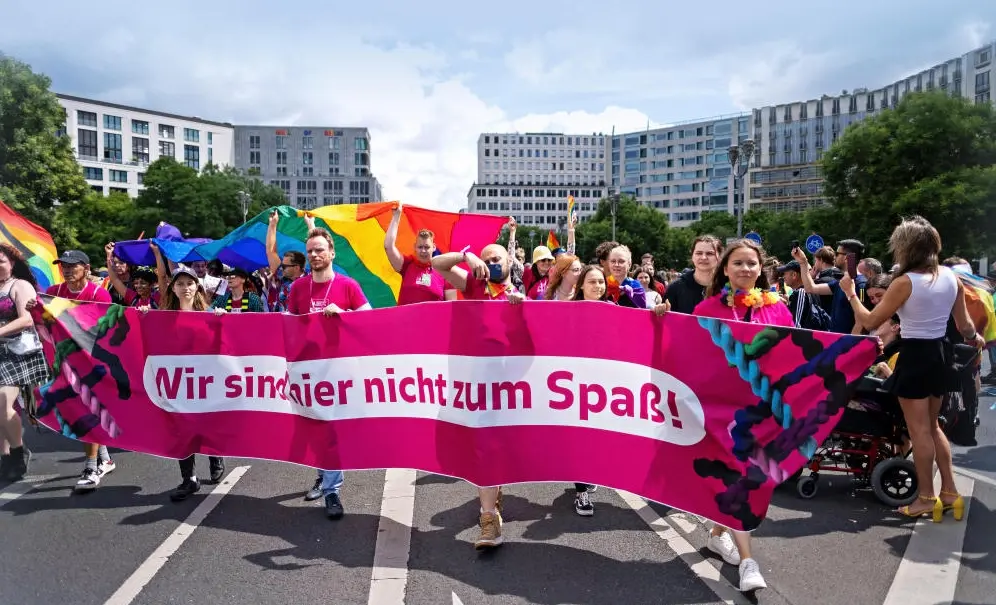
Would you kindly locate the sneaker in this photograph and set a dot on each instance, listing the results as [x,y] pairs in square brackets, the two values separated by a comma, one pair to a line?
[490,531]
[583,505]
[89,480]
[188,488]
[750,576]
[333,507]
[105,467]
[724,546]
[217,470]
[315,492]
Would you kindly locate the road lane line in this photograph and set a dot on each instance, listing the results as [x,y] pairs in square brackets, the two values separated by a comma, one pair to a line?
[928,572]
[138,580]
[705,570]
[16,490]
[389,576]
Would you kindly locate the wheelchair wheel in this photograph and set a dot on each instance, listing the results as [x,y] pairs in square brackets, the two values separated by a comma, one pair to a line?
[807,486]
[894,482]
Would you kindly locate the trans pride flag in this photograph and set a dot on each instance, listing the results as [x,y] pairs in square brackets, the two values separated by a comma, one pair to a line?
[358,231]
[33,242]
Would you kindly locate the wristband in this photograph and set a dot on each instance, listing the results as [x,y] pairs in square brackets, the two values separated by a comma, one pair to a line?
[463,252]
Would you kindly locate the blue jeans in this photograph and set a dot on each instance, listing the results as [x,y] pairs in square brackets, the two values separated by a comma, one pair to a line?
[331,481]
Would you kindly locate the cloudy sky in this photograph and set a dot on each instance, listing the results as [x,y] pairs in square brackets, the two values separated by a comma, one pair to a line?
[428,77]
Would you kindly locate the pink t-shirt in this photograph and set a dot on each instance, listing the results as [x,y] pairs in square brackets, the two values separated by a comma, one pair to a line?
[308,297]
[482,289]
[420,283]
[91,292]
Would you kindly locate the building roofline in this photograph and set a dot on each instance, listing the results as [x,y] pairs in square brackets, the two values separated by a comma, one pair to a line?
[142,110]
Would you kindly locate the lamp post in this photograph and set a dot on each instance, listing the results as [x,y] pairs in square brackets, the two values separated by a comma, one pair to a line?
[613,206]
[244,201]
[740,157]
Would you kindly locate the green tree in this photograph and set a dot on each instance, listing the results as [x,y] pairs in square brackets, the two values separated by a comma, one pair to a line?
[37,167]
[640,227]
[98,220]
[931,155]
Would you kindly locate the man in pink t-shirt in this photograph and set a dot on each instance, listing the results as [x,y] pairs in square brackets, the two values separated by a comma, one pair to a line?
[419,281]
[489,278]
[75,268]
[325,292]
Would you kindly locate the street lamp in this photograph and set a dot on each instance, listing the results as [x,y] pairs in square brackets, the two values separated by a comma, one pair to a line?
[613,206]
[740,158]
[244,201]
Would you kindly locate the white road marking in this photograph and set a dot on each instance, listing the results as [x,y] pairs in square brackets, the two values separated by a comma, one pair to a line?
[456,599]
[689,555]
[928,572]
[138,580]
[389,577]
[16,490]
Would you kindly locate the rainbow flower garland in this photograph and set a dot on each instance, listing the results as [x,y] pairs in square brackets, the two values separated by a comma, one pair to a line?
[754,298]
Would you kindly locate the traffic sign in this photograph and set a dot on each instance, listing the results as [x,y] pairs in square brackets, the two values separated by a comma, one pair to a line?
[813,243]
[754,237]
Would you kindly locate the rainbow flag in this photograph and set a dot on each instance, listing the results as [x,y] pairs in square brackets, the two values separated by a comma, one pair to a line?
[33,242]
[570,208]
[358,231]
[552,242]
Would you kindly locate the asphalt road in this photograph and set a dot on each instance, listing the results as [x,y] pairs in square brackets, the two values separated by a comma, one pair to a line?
[261,543]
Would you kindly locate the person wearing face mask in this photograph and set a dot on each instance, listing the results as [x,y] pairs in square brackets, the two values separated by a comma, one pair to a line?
[689,289]
[488,278]
[419,281]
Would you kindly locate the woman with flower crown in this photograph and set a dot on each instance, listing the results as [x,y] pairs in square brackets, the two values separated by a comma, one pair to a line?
[740,292]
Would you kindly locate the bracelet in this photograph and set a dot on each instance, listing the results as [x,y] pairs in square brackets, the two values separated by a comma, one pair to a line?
[463,253]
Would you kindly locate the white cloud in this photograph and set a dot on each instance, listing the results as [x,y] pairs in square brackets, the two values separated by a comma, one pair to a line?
[976,33]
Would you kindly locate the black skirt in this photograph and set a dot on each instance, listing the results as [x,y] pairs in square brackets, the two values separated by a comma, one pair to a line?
[924,369]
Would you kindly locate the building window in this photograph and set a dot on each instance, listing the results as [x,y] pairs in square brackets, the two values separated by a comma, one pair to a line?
[210,155]
[87,144]
[281,158]
[86,118]
[281,141]
[191,135]
[93,174]
[141,178]
[982,82]
[254,158]
[118,176]
[139,127]
[140,150]
[112,122]
[167,149]
[360,144]
[210,138]
[166,132]
[112,147]
[254,142]
[335,142]
[192,156]
[307,142]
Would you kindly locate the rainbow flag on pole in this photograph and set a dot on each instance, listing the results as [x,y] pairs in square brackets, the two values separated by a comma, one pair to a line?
[358,231]
[33,242]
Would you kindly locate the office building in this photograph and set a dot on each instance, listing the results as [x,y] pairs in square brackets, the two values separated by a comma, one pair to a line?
[531,175]
[116,143]
[792,137]
[314,165]
[682,170]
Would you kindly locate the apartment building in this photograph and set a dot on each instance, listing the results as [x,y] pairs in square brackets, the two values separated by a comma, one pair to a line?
[115,143]
[531,175]
[792,137]
[314,165]
[682,170]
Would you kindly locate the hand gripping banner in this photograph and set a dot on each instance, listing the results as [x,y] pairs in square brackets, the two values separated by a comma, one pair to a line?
[703,415]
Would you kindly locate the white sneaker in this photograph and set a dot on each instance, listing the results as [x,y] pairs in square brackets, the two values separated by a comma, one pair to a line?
[750,576]
[723,546]
[106,467]
[88,481]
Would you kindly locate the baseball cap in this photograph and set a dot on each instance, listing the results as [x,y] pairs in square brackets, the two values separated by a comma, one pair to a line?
[183,270]
[72,257]
[792,265]
[237,272]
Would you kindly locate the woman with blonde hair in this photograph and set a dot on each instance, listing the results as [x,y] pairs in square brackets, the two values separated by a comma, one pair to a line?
[924,295]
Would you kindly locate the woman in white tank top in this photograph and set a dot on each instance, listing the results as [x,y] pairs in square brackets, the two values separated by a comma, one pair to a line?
[924,295]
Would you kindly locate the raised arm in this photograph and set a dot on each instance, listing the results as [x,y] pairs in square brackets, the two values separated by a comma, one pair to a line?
[272,254]
[119,286]
[390,246]
[571,221]
[898,293]
[162,274]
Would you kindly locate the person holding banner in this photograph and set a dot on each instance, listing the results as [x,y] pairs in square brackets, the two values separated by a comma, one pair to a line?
[419,281]
[488,278]
[323,291]
[739,291]
[184,292]
[22,363]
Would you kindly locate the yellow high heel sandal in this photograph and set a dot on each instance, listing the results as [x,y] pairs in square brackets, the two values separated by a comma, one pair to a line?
[957,507]
[936,513]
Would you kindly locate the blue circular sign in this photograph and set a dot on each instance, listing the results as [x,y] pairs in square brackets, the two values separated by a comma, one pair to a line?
[813,243]
[754,237]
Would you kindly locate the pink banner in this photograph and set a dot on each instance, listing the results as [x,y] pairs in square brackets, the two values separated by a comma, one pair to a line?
[699,414]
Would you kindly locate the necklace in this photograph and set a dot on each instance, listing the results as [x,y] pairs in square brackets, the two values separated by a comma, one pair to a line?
[752,299]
